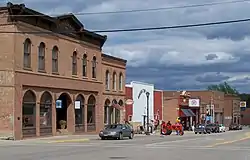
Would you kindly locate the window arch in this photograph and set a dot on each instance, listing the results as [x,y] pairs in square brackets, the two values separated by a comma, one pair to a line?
[84,65]
[74,63]
[114,81]
[41,57]
[120,81]
[94,67]
[55,59]
[27,53]
[107,80]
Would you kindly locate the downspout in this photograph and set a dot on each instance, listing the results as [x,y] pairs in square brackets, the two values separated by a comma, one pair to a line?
[14,69]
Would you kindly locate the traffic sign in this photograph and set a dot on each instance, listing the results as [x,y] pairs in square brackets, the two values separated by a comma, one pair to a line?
[129,102]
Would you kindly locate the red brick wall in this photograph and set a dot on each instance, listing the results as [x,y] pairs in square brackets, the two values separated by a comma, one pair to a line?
[158,103]
[129,108]
[245,120]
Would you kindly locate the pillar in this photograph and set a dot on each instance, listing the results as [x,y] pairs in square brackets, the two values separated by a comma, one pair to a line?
[37,118]
[53,114]
[85,118]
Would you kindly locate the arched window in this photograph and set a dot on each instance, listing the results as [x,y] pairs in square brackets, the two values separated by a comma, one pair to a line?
[84,65]
[55,59]
[107,80]
[94,67]
[74,63]
[41,57]
[120,81]
[27,53]
[114,81]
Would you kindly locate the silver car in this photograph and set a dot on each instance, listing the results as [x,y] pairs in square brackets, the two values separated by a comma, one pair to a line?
[116,131]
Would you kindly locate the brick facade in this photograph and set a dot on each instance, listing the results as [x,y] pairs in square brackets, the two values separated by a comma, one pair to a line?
[225,105]
[22,86]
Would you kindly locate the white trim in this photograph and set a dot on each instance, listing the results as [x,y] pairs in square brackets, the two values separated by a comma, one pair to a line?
[158,90]
[128,85]
[136,82]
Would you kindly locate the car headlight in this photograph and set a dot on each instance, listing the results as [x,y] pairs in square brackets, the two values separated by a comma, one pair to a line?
[101,132]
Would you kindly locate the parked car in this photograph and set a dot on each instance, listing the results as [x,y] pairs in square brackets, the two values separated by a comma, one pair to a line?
[116,131]
[202,128]
[235,127]
[214,127]
[222,128]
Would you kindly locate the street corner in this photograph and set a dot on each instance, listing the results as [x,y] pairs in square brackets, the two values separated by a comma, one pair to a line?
[70,140]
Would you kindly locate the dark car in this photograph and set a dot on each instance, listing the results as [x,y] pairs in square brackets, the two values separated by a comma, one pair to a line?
[235,127]
[202,128]
[215,128]
[117,131]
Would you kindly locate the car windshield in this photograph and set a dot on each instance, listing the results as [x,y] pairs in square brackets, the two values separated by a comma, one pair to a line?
[113,126]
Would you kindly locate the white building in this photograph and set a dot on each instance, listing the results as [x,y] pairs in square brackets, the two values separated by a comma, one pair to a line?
[139,90]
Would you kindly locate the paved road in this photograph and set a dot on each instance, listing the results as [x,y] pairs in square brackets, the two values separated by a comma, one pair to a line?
[229,145]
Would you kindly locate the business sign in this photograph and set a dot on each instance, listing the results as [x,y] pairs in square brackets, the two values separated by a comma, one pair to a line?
[129,102]
[194,102]
[58,103]
[77,104]
[243,104]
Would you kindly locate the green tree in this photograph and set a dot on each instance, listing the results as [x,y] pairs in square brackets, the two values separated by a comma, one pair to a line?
[223,87]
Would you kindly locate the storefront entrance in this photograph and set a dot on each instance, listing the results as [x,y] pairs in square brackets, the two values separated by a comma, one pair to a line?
[62,104]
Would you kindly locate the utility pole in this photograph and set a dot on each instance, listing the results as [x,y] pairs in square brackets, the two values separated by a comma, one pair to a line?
[212,107]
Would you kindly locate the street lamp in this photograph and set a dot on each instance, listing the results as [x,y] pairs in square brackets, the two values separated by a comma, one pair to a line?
[147,95]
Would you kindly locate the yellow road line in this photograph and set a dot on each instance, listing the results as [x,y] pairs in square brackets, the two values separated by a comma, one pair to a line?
[233,141]
[69,140]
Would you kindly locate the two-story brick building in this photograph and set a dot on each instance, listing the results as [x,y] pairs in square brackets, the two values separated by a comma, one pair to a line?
[53,75]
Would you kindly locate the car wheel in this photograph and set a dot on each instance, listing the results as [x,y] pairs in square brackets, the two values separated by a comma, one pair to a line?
[199,132]
[195,132]
[120,136]
[131,136]
[205,132]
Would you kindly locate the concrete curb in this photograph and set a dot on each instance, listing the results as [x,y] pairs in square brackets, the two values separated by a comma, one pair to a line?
[70,140]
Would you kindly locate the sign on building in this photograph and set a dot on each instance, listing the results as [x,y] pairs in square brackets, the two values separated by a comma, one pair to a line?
[243,104]
[194,102]
[77,104]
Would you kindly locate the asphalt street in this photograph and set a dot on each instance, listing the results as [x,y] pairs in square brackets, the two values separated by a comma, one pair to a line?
[229,145]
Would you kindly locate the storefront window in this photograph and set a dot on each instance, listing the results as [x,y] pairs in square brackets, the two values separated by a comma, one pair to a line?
[29,115]
[45,113]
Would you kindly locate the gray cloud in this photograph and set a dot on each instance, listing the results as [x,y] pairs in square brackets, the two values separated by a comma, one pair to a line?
[189,58]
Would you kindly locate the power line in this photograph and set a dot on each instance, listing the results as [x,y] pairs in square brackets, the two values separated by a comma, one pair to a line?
[145,10]
[138,29]
[165,8]
[174,27]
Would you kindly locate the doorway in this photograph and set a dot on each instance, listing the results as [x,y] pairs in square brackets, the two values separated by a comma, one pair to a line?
[63,102]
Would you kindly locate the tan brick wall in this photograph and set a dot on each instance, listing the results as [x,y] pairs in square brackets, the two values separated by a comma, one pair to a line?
[170,106]
[114,66]
[7,89]
[14,81]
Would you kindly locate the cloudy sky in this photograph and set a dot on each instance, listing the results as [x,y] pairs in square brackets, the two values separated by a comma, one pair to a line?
[190,58]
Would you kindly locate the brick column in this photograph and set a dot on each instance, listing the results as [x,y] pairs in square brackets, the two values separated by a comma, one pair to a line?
[37,118]
[53,114]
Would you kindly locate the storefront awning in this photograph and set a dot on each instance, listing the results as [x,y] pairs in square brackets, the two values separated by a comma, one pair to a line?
[187,113]
[191,112]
